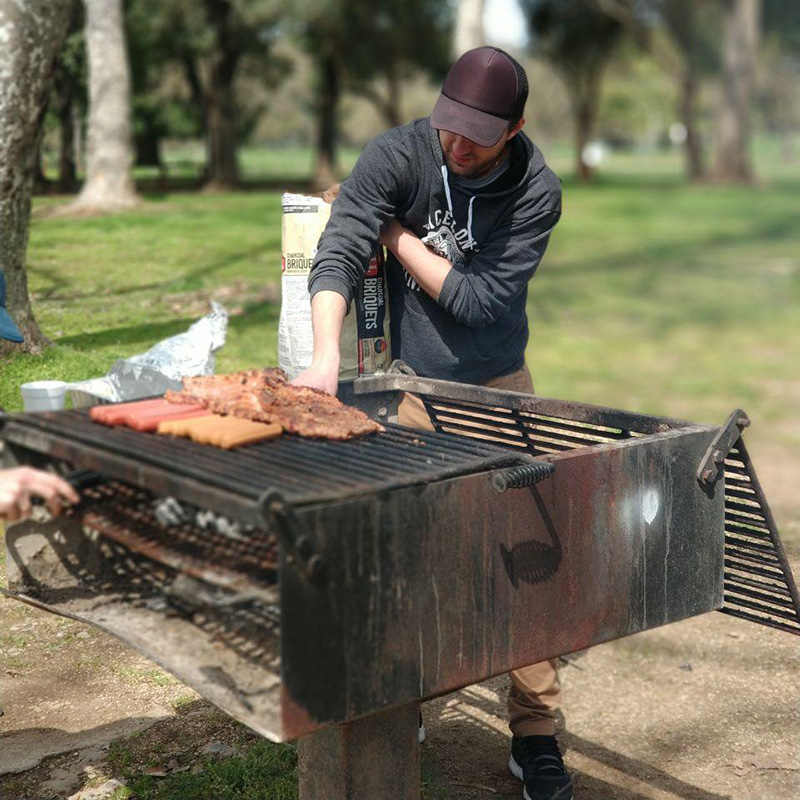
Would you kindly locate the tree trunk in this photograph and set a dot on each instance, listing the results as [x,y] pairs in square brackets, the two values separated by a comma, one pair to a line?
[109,180]
[223,169]
[327,104]
[733,164]
[469,26]
[67,174]
[41,183]
[148,149]
[584,122]
[687,113]
[218,98]
[32,32]
[393,113]
[583,87]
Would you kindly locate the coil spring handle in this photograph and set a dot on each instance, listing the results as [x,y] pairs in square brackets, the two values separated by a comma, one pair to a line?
[522,476]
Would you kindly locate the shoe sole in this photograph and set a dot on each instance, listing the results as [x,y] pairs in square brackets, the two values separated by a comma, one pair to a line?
[516,771]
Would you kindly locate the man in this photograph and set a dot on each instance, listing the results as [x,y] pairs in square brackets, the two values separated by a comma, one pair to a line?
[465,204]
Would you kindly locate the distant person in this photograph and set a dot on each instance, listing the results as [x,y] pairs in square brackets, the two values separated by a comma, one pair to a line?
[465,205]
[8,328]
[18,486]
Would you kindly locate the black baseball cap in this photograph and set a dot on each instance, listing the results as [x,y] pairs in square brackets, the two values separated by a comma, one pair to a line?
[484,91]
[8,328]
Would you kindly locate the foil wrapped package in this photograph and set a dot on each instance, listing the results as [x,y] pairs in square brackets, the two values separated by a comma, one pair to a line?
[160,368]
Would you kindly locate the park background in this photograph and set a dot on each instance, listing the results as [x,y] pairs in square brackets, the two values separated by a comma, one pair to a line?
[671,286]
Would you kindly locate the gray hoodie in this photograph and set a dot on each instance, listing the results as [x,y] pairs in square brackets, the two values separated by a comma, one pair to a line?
[494,236]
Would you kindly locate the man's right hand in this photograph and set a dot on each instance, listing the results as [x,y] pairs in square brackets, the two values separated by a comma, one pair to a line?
[319,376]
[328,310]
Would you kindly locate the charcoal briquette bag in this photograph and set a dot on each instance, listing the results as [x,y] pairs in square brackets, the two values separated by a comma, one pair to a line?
[365,346]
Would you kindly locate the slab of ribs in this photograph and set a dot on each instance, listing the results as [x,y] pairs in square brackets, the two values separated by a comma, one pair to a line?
[265,395]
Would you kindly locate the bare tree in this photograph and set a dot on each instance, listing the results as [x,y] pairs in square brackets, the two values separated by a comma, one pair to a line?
[578,40]
[742,26]
[212,40]
[32,32]
[691,54]
[469,26]
[109,180]
[390,46]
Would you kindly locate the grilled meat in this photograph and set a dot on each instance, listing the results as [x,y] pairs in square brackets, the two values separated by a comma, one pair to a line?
[266,396]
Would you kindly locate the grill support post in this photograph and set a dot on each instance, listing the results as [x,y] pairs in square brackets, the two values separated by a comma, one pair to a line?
[371,757]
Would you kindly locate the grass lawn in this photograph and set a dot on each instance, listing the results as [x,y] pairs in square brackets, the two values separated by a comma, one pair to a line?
[655,296]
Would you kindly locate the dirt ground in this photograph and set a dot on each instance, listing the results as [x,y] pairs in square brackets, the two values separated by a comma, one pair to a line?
[704,709]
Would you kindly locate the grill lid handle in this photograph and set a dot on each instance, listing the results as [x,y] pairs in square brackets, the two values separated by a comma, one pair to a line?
[520,477]
[711,467]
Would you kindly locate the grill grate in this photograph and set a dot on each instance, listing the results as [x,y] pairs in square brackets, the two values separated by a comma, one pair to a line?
[758,584]
[250,628]
[215,551]
[536,434]
[233,482]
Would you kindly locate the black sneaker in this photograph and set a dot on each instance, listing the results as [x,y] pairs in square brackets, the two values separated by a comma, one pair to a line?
[537,762]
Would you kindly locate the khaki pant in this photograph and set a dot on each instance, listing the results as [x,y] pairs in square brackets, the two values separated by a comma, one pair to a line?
[535,694]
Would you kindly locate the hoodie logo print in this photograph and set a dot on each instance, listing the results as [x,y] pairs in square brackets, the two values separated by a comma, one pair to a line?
[444,240]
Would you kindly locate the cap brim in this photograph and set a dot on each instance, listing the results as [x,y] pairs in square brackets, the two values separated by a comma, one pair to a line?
[477,126]
[8,329]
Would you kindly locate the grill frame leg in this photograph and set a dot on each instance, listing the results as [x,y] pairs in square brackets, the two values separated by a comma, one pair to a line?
[373,757]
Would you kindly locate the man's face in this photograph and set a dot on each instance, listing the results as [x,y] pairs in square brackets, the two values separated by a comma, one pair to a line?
[468,159]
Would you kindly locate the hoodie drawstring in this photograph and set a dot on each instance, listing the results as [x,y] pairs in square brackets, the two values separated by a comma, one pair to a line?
[469,218]
[450,202]
[447,188]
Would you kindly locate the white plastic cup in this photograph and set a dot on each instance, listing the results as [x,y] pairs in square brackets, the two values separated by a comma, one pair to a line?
[43,395]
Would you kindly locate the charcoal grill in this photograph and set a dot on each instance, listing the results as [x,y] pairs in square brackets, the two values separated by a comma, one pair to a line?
[321,589]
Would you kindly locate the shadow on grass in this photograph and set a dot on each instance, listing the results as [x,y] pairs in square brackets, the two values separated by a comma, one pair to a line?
[639,181]
[179,282]
[682,255]
[146,332]
[159,188]
[256,314]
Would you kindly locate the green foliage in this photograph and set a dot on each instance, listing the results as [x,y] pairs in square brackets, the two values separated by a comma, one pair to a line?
[181,52]
[572,34]
[369,42]
[151,46]
[696,30]
[638,101]
[782,19]
[395,36]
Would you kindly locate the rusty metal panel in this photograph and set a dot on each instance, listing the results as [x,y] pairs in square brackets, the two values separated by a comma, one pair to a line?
[432,588]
